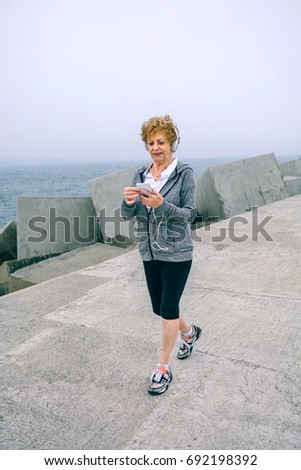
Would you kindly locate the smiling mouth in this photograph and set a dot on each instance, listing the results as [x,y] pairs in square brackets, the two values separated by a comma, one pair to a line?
[157,154]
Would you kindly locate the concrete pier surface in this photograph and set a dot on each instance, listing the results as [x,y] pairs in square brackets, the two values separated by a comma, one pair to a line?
[78,349]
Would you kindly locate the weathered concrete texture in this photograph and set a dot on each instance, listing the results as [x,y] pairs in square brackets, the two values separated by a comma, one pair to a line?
[107,193]
[67,263]
[78,350]
[292,185]
[291,173]
[4,287]
[291,167]
[8,241]
[236,187]
[9,267]
[49,225]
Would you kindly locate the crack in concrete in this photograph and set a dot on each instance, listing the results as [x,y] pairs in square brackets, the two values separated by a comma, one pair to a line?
[239,361]
[252,294]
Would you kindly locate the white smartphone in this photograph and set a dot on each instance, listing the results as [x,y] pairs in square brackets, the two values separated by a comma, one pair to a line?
[145,186]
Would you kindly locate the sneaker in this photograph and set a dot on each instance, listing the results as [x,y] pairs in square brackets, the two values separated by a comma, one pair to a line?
[187,342]
[159,381]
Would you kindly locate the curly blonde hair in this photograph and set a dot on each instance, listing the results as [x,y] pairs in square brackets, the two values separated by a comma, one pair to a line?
[155,124]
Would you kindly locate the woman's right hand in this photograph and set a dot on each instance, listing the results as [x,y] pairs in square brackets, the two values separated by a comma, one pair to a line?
[130,194]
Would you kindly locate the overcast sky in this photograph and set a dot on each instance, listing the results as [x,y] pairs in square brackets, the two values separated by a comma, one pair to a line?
[78,77]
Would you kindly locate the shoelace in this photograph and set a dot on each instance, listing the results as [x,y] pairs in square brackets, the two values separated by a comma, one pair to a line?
[184,343]
[158,375]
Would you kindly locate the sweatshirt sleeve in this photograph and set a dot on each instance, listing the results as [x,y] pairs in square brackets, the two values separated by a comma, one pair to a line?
[187,211]
[128,212]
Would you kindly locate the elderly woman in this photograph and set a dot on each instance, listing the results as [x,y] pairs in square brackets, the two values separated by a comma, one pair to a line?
[163,220]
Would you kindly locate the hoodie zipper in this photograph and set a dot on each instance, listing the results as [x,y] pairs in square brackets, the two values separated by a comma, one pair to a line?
[147,214]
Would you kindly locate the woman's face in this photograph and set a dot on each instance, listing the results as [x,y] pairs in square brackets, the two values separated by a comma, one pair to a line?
[159,147]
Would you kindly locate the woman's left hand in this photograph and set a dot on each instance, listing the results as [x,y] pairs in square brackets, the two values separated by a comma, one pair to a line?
[153,199]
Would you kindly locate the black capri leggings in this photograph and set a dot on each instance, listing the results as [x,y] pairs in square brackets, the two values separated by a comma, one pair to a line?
[166,282]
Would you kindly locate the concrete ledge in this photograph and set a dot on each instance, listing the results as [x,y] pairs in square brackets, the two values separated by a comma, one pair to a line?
[107,193]
[11,284]
[51,225]
[4,288]
[67,263]
[8,241]
[235,187]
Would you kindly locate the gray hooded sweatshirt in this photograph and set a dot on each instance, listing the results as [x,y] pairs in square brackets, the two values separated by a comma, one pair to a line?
[164,233]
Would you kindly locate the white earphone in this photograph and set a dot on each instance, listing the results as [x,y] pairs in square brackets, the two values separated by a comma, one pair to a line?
[175,143]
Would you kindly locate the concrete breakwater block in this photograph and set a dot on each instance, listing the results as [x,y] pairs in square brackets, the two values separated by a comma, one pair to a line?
[107,194]
[291,167]
[292,185]
[291,173]
[235,187]
[50,225]
[8,241]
